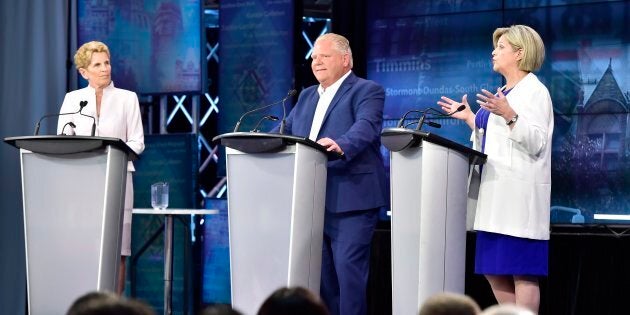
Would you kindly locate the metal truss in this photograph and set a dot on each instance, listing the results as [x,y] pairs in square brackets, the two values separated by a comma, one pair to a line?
[310,27]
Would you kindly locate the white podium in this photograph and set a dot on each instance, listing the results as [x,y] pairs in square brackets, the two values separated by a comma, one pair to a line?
[429,176]
[276,202]
[73,190]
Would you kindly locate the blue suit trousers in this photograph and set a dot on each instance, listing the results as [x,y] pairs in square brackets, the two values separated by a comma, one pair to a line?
[346,260]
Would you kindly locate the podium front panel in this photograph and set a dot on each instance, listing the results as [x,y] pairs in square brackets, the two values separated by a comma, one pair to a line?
[72,221]
[428,224]
[307,224]
[264,216]
[455,222]
[406,177]
[443,221]
[276,214]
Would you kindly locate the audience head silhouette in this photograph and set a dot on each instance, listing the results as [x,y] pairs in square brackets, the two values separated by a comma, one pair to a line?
[293,301]
[219,309]
[507,309]
[449,304]
[107,303]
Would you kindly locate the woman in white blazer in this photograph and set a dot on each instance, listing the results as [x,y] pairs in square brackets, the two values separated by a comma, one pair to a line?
[117,114]
[514,128]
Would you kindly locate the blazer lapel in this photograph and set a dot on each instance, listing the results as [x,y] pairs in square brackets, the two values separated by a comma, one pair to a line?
[309,113]
[345,87]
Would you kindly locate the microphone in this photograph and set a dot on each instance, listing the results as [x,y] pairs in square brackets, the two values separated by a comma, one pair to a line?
[436,113]
[240,120]
[81,105]
[268,117]
[428,122]
[402,120]
[284,111]
[71,124]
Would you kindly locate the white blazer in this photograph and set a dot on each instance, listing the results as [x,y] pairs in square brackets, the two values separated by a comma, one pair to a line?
[515,189]
[120,116]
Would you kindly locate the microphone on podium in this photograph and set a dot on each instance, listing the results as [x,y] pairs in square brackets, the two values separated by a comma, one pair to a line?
[81,105]
[268,117]
[71,124]
[289,94]
[402,119]
[284,111]
[421,121]
[428,122]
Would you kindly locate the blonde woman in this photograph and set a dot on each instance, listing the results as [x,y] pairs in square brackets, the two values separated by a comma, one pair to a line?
[514,128]
[117,114]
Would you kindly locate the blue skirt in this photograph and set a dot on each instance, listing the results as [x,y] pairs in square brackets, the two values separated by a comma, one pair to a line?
[499,254]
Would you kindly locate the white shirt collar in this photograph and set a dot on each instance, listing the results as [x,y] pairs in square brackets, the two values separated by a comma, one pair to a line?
[109,87]
[335,86]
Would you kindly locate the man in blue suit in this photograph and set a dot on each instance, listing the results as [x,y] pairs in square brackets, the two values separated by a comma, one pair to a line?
[344,114]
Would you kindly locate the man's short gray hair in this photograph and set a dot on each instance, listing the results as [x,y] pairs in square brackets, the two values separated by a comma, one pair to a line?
[341,43]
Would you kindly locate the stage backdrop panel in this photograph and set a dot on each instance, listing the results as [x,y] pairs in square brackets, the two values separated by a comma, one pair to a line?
[172,158]
[588,76]
[216,254]
[155,45]
[256,65]
[422,50]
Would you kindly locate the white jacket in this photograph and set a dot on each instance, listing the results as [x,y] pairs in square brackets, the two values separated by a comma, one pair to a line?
[515,189]
[120,116]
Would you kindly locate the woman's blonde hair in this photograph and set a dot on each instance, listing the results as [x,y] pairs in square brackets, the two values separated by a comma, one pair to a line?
[84,54]
[527,39]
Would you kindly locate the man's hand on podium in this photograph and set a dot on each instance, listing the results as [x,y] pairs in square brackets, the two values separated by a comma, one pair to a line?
[330,145]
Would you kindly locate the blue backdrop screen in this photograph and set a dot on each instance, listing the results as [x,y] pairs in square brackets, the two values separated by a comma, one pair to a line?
[421,50]
[155,45]
[256,52]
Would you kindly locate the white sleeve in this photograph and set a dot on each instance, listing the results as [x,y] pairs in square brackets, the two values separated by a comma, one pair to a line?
[135,133]
[531,129]
[476,137]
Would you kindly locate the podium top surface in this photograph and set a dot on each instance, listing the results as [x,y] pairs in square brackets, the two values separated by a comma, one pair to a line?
[68,144]
[397,139]
[260,142]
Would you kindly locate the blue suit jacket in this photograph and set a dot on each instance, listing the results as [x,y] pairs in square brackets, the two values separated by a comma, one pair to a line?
[353,120]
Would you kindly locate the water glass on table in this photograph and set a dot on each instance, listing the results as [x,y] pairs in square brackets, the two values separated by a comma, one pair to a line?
[159,195]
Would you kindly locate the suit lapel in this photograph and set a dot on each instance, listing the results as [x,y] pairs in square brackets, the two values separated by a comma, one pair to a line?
[309,112]
[345,87]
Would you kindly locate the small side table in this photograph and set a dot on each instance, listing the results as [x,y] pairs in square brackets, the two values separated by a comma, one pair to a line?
[168,246]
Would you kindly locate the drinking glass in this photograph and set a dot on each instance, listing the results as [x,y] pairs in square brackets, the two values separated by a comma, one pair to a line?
[159,195]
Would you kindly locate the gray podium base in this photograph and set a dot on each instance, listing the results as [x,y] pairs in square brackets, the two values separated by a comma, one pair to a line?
[276,218]
[428,224]
[72,222]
